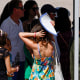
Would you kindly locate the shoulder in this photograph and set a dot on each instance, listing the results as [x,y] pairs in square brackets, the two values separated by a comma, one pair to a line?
[5,23]
[4,52]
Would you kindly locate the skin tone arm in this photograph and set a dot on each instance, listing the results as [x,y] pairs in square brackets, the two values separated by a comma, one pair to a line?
[24,36]
[10,70]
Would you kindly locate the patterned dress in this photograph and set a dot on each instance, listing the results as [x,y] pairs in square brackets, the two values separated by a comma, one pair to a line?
[43,68]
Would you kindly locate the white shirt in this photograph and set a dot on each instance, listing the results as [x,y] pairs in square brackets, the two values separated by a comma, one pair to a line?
[13,30]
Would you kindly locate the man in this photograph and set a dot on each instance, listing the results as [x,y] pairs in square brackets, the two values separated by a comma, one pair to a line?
[13,25]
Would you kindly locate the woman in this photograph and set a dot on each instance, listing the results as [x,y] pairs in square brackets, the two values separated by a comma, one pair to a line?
[5,58]
[31,11]
[40,41]
[63,26]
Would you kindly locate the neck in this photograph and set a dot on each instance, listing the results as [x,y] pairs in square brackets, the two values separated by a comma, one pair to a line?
[15,19]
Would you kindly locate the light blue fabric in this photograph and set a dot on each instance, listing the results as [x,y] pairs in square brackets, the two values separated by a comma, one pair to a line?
[13,30]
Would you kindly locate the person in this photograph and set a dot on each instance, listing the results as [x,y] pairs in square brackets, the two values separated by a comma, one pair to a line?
[51,10]
[31,11]
[40,41]
[13,25]
[72,55]
[63,26]
[29,20]
[5,67]
[8,47]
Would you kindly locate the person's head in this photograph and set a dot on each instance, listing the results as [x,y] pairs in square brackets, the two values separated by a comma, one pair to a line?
[16,8]
[31,7]
[3,37]
[62,12]
[49,9]
[63,22]
[38,27]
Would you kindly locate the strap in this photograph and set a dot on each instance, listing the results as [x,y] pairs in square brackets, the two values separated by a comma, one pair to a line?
[57,46]
[39,50]
[56,54]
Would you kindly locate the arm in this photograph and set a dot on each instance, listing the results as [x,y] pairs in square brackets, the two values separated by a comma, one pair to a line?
[10,70]
[24,36]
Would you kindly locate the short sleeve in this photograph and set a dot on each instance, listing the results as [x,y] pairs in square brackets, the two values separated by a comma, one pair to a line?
[6,53]
[5,27]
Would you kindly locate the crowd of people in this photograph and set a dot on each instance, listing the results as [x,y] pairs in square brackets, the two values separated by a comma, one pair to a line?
[27,49]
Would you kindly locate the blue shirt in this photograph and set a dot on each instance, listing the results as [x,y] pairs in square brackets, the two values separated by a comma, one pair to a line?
[13,30]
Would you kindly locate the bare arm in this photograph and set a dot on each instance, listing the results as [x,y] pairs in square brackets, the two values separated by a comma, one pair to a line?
[24,36]
[10,70]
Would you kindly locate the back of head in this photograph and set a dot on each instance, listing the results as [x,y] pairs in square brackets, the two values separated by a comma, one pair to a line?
[63,22]
[47,8]
[13,4]
[38,27]
[63,12]
[3,37]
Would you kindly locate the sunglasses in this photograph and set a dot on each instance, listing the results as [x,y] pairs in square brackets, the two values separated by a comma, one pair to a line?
[35,8]
[20,8]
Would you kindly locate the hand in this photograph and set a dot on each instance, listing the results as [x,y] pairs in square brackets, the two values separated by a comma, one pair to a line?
[53,23]
[40,34]
[10,75]
[17,68]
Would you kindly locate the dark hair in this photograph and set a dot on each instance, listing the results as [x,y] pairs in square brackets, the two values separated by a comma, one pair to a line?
[62,22]
[62,12]
[3,37]
[14,4]
[27,6]
[47,8]
[38,27]
[5,13]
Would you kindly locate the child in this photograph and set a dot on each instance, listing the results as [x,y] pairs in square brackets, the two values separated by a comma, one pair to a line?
[5,58]
[8,46]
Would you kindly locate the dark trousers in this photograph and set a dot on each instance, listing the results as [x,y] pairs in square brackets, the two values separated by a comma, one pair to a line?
[20,74]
